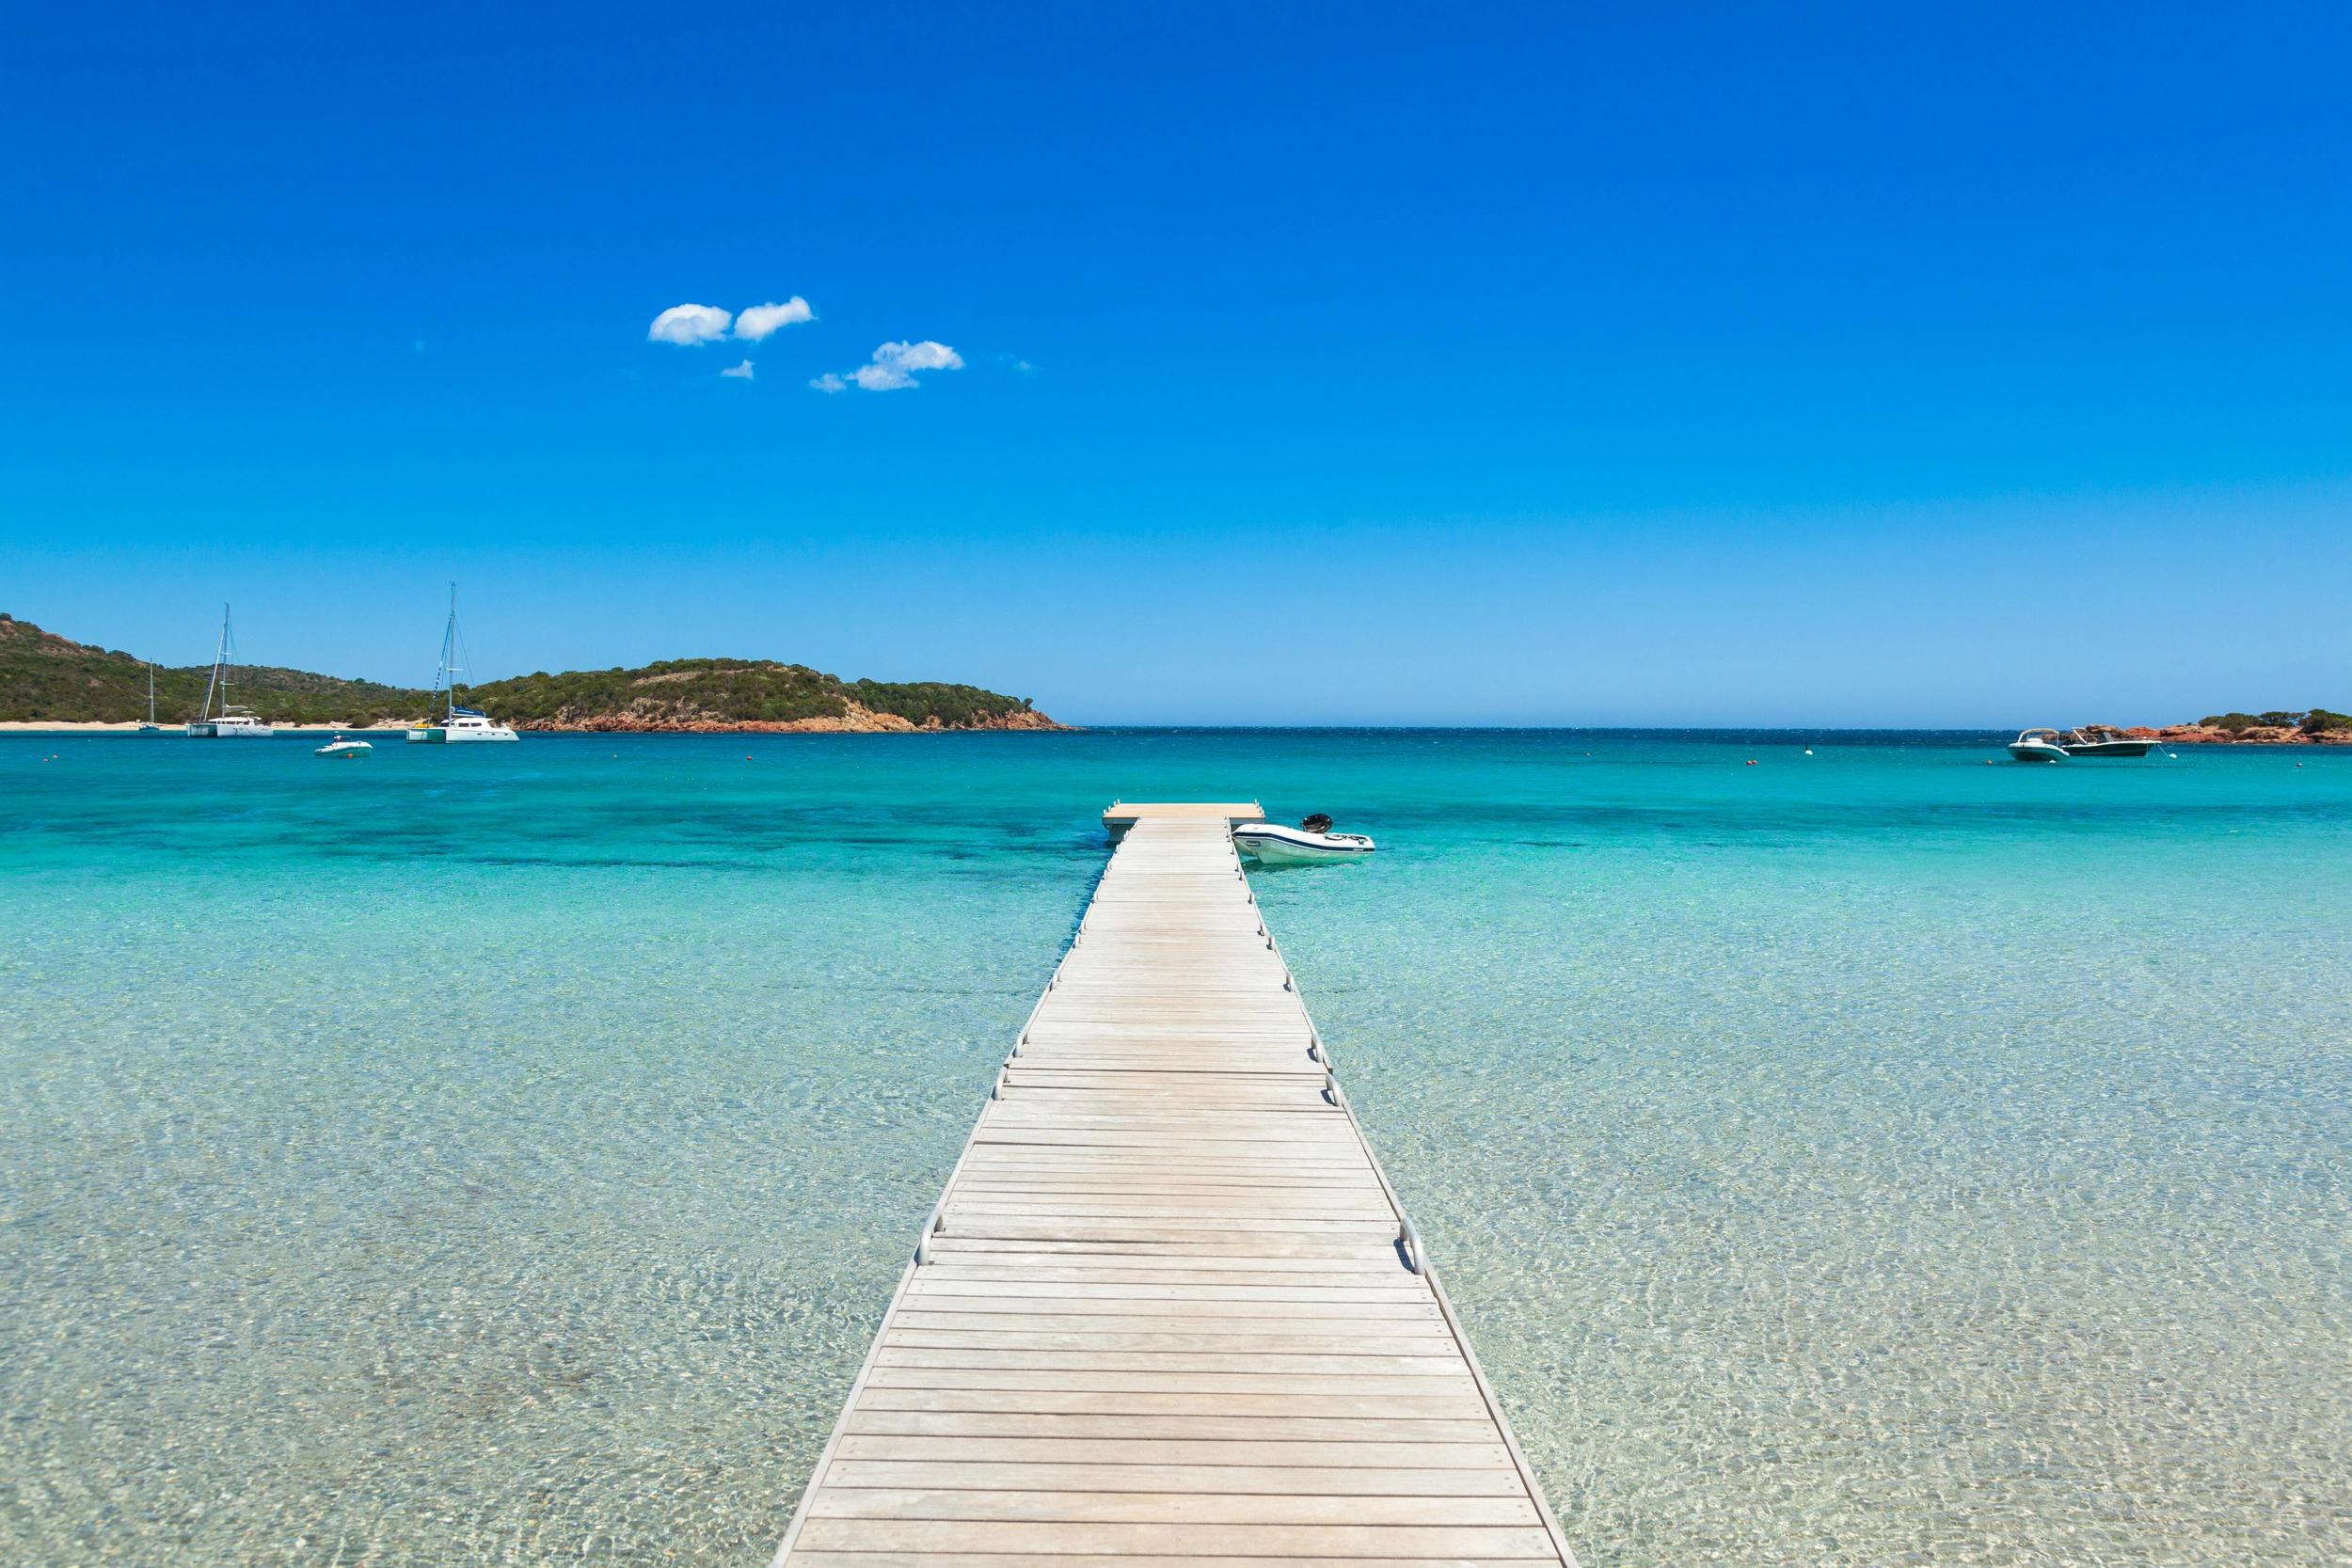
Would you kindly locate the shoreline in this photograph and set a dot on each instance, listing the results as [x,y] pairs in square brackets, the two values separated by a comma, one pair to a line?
[797,726]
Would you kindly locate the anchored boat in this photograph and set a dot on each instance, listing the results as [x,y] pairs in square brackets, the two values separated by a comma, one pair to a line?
[2097,740]
[2060,746]
[1312,840]
[227,721]
[338,747]
[456,722]
[151,727]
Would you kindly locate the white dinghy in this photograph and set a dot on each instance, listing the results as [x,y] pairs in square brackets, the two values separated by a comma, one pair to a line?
[1312,840]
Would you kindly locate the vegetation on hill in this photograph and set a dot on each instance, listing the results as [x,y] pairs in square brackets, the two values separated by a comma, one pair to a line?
[2317,721]
[718,691]
[46,677]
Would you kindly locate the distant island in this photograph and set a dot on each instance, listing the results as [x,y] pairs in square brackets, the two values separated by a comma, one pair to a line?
[46,678]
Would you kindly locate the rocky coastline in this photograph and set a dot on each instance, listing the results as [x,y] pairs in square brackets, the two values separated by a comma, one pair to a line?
[2255,735]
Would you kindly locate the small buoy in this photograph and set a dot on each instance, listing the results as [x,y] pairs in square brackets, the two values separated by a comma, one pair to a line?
[1750,762]
[1808,750]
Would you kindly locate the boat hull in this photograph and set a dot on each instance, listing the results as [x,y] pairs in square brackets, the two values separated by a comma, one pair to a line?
[2111,749]
[461,735]
[230,732]
[1273,846]
[2037,750]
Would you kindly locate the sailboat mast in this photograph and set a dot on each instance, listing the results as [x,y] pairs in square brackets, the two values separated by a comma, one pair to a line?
[212,683]
[446,679]
[150,693]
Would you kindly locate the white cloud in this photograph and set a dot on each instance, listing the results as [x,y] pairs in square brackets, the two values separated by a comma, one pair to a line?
[689,325]
[760,320]
[739,373]
[829,383]
[896,364]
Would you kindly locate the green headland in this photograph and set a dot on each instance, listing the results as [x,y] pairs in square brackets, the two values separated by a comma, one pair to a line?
[46,678]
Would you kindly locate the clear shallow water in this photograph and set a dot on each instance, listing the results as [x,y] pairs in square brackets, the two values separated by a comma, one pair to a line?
[503,1155]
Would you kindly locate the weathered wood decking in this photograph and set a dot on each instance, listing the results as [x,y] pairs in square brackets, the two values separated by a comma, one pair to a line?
[1168,1310]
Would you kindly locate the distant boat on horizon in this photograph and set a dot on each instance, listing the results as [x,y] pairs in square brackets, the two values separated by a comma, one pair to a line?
[456,722]
[151,727]
[226,722]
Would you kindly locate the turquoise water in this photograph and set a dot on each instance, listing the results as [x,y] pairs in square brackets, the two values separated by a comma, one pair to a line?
[503,1154]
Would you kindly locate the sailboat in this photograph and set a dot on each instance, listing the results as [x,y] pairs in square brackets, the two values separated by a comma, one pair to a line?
[151,727]
[228,721]
[450,722]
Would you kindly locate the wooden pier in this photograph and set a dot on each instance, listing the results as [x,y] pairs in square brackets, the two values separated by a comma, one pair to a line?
[1168,1310]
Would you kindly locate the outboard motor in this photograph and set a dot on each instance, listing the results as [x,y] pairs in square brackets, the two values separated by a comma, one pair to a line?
[1318,823]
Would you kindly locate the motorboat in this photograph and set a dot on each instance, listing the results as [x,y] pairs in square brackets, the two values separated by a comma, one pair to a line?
[2098,740]
[1312,841]
[338,747]
[455,724]
[2065,745]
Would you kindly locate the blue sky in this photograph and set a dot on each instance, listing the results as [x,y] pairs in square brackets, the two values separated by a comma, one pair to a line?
[1351,364]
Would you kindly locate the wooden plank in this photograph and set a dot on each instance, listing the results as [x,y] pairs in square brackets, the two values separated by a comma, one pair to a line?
[1107,1341]
[937,1284]
[1127,1249]
[915,1370]
[1149,1452]
[1097,1426]
[968,1539]
[1254,1363]
[1213,1314]
[1458,1402]
[1125,1559]
[969,1473]
[1329,1332]
[1171,1507]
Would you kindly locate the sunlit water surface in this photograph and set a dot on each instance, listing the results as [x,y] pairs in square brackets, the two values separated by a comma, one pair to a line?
[503,1154]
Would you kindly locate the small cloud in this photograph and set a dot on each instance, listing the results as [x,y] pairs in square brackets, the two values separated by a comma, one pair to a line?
[829,383]
[689,325]
[760,320]
[896,364]
[739,373]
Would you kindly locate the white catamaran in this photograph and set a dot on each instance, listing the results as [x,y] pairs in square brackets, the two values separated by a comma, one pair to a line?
[449,722]
[227,721]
